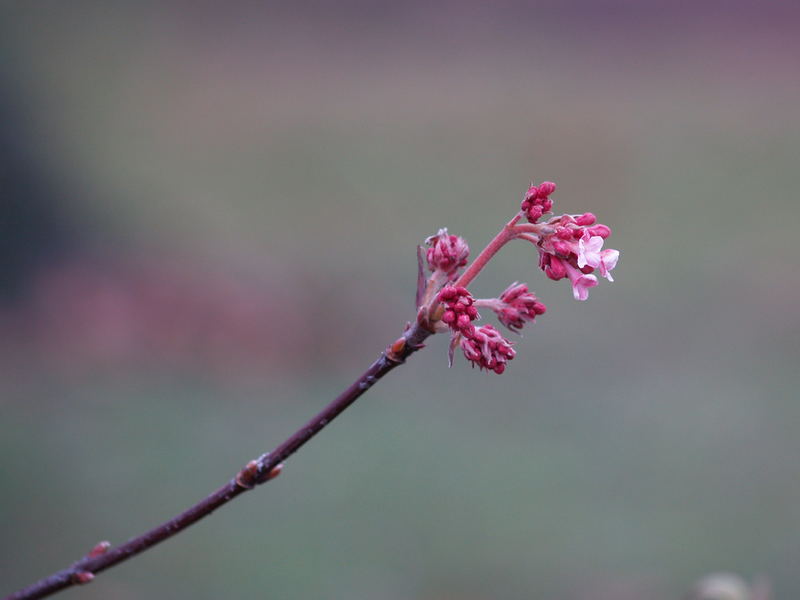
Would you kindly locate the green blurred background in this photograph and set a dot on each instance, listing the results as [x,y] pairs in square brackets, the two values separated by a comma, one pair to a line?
[209,219]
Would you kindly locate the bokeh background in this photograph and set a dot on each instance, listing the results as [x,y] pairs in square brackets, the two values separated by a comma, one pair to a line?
[208,227]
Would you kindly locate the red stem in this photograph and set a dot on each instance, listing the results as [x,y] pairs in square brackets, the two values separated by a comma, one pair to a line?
[505,235]
[255,473]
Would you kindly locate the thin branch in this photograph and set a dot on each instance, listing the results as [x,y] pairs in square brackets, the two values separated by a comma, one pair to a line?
[256,472]
[505,235]
[268,466]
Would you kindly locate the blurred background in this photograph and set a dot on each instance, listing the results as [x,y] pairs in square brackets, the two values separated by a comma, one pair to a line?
[208,221]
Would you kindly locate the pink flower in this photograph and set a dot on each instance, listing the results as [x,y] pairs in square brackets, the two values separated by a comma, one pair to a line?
[580,282]
[573,247]
[589,250]
[608,260]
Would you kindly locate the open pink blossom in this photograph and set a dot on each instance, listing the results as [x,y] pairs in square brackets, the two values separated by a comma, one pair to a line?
[572,246]
[580,282]
[608,260]
[589,250]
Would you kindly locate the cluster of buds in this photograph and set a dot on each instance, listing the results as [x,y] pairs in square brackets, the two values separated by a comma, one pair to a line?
[515,306]
[537,201]
[569,246]
[482,346]
[460,310]
[487,349]
[446,253]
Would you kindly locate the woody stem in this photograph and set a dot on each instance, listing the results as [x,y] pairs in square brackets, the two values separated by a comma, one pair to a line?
[256,472]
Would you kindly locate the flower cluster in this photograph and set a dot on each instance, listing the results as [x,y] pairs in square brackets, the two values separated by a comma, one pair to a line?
[482,346]
[446,253]
[537,200]
[487,349]
[574,250]
[460,310]
[569,246]
[515,306]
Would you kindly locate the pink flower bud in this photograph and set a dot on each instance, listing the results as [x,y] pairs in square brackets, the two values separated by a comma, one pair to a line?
[562,248]
[535,213]
[556,269]
[546,188]
[586,219]
[602,230]
[447,293]
[531,194]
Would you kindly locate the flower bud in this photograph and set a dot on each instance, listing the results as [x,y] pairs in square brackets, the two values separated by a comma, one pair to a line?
[546,188]
[604,231]
[446,253]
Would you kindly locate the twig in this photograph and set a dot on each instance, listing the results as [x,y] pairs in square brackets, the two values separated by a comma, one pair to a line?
[256,472]
[443,304]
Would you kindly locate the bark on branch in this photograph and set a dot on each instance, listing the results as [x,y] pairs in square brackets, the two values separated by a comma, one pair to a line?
[254,473]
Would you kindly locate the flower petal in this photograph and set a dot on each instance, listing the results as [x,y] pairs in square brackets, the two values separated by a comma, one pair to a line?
[608,260]
[589,250]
